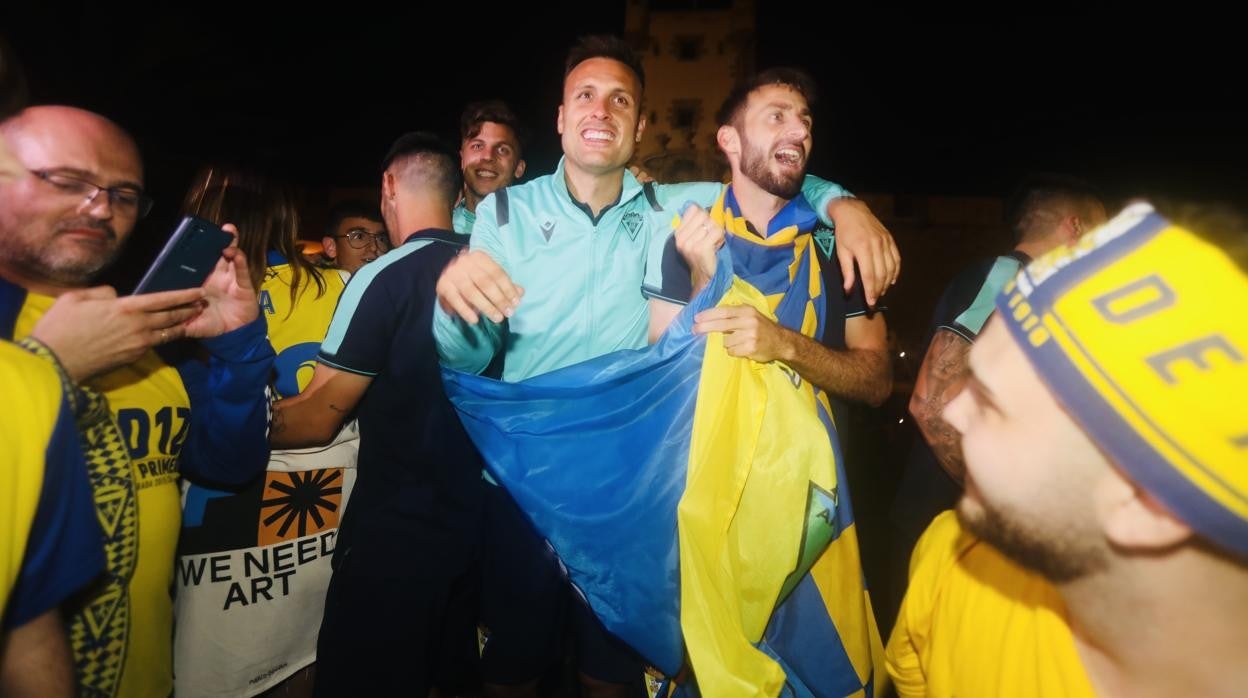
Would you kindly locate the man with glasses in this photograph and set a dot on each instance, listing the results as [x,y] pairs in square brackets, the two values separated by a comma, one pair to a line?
[49,535]
[143,419]
[126,196]
[355,235]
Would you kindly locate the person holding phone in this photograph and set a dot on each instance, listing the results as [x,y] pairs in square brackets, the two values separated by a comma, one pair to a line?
[144,419]
[230,641]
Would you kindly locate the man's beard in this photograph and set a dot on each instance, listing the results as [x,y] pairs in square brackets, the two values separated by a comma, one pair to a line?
[1061,555]
[50,262]
[755,165]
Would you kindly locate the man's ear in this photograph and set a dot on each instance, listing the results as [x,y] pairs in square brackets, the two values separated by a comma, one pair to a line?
[389,187]
[729,141]
[1132,519]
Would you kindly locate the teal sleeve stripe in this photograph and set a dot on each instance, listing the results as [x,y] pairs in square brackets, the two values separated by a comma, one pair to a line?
[348,369]
[974,317]
[354,293]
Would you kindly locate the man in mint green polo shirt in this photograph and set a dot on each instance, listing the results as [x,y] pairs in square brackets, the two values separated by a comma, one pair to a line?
[578,245]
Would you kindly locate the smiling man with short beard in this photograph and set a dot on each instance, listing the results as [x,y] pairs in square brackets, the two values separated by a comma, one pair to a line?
[765,132]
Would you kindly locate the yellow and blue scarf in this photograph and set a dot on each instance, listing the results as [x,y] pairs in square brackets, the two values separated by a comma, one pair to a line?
[782,264]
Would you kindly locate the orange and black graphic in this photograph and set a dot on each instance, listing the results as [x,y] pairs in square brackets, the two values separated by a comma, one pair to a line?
[298,504]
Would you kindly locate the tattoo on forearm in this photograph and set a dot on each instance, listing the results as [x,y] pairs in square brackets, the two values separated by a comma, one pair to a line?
[947,372]
[946,443]
[949,365]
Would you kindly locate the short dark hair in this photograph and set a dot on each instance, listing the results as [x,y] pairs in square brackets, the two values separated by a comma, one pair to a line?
[353,208]
[439,162]
[492,110]
[604,46]
[735,103]
[415,143]
[1042,196]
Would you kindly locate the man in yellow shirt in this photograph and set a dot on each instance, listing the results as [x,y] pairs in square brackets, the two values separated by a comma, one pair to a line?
[50,542]
[144,419]
[1101,546]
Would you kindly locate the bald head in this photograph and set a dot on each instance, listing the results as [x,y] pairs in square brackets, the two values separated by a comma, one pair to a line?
[57,228]
[39,135]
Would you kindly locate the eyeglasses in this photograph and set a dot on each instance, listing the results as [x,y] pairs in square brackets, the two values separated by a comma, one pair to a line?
[360,238]
[126,200]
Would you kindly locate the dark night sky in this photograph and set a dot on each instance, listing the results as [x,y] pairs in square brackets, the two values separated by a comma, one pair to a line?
[907,106]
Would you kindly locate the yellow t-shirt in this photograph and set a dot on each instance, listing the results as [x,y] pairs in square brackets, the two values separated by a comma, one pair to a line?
[296,337]
[32,397]
[974,623]
[122,636]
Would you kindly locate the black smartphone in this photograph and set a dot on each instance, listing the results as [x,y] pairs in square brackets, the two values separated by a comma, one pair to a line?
[187,259]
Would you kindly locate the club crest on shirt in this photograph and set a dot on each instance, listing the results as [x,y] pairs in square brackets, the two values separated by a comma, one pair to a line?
[631,224]
[826,240]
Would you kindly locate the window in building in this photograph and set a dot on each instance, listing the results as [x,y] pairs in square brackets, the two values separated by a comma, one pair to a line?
[685,113]
[688,48]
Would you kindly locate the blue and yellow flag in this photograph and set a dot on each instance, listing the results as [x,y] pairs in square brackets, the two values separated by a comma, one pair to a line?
[697,502]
